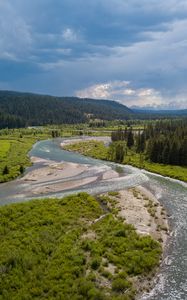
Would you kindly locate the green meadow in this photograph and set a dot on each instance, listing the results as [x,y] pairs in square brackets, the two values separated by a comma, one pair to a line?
[14,147]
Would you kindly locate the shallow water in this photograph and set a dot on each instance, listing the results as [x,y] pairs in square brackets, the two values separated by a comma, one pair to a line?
[171,282]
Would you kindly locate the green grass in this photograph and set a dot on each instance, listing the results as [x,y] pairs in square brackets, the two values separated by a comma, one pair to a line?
[4,148]
[15,156]
[46,251]
[176,172]
[14,147]
[99,150]
[113,194]
[93,148]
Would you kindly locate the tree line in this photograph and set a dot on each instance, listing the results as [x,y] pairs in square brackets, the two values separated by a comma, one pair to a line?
[167,142]
[164,142]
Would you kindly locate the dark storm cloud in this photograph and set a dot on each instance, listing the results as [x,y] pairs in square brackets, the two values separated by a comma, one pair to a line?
[76,46]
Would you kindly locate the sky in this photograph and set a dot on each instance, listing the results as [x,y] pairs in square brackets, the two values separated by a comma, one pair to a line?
[130,51]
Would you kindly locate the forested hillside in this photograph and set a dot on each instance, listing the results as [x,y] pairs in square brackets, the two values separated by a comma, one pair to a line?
[24,109]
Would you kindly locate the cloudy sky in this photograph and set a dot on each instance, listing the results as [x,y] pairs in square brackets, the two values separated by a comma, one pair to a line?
[128,50]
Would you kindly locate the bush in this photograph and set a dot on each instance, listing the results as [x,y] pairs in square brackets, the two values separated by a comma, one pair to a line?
[5,170]
[95,263]
[120,285]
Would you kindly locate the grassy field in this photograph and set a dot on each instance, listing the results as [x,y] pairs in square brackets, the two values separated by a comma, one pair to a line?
[58,249]
[4,148]
[15,157]
[14,147]
[91,148]
[98,150]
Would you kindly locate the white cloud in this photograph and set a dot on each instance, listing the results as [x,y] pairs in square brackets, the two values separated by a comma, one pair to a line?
[129,92]
[69,35]
[122,92]
[97,91]
[103,90]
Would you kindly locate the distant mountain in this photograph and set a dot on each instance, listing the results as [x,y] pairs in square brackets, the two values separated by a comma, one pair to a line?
[166,112]
[26,109]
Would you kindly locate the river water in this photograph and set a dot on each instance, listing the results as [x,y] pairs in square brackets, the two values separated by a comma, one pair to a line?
[171,282]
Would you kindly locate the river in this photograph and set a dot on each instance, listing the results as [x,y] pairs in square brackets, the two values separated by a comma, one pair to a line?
[171,282]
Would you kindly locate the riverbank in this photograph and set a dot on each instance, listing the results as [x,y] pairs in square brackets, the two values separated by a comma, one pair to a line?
[97,149]
[138,207]
[171,281]
[105,139]
[135,206]
[47,176]
[53,177]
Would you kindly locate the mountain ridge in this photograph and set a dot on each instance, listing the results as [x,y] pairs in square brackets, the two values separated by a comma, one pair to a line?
[22,109]
[19,109]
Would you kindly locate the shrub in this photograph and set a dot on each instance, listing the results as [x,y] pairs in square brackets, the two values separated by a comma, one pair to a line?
[114,194]
[120,285]
[95,263]
[5,170]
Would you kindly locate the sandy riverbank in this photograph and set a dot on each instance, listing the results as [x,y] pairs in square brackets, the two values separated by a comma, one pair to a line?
[104,139]
[51,170]
[139,207]
[53,177]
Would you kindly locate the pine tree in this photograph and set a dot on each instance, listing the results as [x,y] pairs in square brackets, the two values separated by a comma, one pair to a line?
[130,139]
[166,154]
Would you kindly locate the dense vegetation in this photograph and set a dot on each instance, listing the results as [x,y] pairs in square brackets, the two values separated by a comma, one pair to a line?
[164,142]
[24,109]
[159,148]
[55,249]
[167,142]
